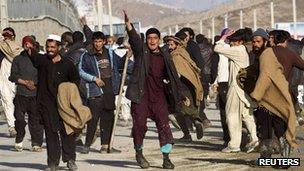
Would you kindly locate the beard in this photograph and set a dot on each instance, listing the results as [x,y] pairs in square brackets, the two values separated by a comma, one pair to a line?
[258,50]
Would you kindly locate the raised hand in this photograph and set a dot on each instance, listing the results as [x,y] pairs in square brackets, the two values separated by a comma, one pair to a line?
[83,20]
[127,21]
[229,33]
[126,16]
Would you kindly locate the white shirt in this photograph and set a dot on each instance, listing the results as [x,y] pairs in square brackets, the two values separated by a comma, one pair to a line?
[223,68]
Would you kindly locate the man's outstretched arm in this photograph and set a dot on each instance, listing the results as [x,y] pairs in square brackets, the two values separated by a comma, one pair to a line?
[134,38]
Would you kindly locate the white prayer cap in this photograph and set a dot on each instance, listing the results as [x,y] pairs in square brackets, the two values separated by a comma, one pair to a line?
[54,37]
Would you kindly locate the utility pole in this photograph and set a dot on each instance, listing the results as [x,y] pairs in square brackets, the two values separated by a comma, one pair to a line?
[294,10]
[201,26]
[254,20]
[3,14]
[99,14]
[272,14]
[170,31]
[213,29]
[241,18]
[110,17]
[226,20]
[176,28]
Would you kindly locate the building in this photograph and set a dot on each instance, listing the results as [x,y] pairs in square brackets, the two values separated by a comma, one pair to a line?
[39,17]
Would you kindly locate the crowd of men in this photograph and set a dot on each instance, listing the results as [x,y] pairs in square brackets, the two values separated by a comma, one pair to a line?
[76,82]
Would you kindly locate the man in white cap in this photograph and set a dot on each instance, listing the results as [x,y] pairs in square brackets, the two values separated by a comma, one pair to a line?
[53,70]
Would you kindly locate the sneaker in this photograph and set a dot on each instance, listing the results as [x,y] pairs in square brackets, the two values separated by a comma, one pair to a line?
[18,147]
[251,146]
[184,139]
[141,160]
[199,129]
[12,132]
[85,150]
[36,149]
[72,165]
[231,150]
[206,123]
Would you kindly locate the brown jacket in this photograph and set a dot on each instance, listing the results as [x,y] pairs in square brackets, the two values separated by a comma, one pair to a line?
[272,92]
[70,108]
[186,67]
[289,60]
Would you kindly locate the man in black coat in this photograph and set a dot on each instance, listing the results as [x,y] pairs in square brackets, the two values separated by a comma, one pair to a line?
[53,70]
[148,93]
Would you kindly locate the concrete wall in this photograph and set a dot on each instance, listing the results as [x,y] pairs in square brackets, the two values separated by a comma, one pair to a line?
[40,27]
[41,17]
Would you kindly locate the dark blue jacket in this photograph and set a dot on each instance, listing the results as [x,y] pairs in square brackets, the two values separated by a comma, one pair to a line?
[89,71]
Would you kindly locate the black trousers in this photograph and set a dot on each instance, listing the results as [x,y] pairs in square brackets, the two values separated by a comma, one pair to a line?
[106,118]
[24,104]
[182,122]
[267,123]
[223,89]
[57,142]
[205,84]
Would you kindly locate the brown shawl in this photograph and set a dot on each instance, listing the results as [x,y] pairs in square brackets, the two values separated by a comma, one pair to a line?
[188,69]
[272,92]
[70,108]
[10,49]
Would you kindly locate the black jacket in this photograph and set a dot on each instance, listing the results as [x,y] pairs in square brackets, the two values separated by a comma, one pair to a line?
[136,85]
[23,68]
[50,75]
[195,54]
[75,52]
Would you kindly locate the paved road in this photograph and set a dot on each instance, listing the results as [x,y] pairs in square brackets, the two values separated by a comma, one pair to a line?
[199,155]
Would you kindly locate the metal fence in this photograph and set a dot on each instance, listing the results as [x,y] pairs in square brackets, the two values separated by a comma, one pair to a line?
[62,10]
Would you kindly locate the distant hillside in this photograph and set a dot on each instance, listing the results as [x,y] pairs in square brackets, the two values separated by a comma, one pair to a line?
[146,13]
[282,12]
[163,16]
